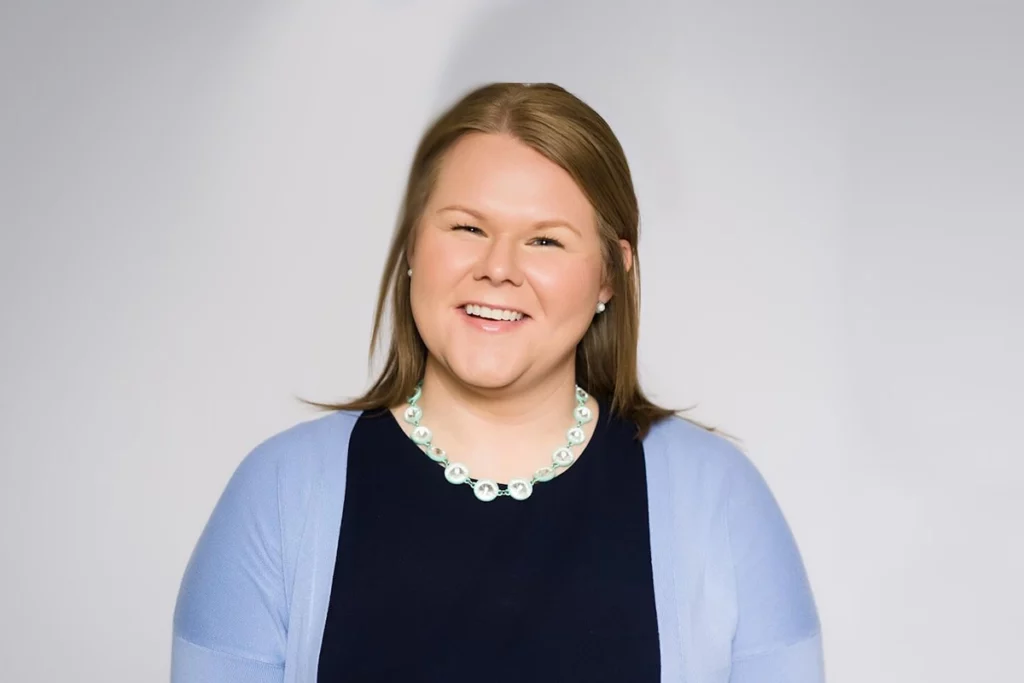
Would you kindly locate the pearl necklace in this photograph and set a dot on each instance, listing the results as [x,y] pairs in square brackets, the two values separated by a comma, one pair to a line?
[487,489]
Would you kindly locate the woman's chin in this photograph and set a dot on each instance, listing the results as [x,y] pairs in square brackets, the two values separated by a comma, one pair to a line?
[486,380]
[486,376]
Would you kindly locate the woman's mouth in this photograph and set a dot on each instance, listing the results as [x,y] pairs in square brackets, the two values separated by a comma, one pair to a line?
[492,318]
[488,313]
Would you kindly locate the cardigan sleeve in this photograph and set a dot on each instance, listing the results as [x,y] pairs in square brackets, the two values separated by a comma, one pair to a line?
[778,632]
[230,620]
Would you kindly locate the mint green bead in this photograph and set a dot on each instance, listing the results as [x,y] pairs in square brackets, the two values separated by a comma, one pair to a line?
[576,436]
[413,414]
[544,474]
[421,435]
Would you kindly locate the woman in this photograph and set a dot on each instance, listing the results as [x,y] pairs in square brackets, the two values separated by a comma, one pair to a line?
[504,503]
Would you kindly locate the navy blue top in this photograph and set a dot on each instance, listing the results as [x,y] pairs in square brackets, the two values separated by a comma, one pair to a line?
[431,584]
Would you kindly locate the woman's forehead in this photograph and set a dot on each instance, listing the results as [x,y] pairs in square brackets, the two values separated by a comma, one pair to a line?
[498,177]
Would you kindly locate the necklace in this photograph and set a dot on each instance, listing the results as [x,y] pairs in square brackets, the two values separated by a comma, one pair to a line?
[488,489]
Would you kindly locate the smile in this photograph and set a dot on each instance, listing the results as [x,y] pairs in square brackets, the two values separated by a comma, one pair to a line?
[500,314]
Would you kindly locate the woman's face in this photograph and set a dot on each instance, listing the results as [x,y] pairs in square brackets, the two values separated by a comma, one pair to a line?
[507,267]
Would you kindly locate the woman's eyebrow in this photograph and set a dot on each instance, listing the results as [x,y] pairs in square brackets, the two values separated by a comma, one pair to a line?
[539,225]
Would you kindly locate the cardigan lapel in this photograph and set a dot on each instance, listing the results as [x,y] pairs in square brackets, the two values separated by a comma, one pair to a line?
[663,548]
[318,550]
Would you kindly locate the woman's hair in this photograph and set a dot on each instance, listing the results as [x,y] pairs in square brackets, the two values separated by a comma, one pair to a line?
[568,132]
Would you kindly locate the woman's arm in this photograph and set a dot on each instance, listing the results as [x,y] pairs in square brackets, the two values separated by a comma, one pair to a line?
[778,633]
[230,621]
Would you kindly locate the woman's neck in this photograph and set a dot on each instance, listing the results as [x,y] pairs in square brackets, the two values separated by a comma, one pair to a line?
[517,427]
[469,408]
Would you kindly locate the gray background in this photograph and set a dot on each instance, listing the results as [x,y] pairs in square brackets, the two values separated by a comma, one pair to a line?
[196,198]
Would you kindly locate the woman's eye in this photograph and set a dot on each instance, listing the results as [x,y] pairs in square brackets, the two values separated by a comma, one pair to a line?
[467,228]
[547,242]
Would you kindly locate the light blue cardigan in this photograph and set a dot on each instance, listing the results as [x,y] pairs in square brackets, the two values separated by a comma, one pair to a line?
[732,596]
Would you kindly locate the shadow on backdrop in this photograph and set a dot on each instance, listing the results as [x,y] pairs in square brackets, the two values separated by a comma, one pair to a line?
[618,57]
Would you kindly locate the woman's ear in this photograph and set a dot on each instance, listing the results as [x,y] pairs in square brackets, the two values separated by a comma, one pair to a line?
[627,254]
[627,263]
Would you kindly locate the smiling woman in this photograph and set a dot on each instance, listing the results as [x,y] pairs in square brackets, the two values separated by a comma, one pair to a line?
[518,192]
[551,523]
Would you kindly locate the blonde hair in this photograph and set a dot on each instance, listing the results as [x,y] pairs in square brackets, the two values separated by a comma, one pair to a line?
[571,134]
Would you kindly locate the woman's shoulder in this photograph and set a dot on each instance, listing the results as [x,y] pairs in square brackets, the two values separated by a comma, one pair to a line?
[701,467]
[303,447]
[685,444]
[290,461]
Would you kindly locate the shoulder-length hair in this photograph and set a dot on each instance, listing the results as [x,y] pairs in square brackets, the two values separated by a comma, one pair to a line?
[571,134]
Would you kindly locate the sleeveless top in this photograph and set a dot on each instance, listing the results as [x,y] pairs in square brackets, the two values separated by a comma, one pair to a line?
[444,587]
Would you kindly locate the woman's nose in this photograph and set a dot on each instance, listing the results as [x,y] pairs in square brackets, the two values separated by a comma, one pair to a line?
[499,262]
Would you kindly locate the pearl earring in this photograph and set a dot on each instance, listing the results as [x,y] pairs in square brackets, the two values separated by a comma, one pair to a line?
[600,307]
[410,272]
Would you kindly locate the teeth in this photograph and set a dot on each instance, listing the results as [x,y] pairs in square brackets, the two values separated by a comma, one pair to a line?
[493,313]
